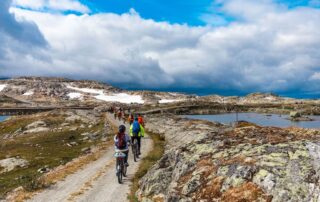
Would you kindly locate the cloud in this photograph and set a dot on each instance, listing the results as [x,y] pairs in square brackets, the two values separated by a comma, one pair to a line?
[268,48]
[315,76]
[18,39]
[22,31]
[52,5]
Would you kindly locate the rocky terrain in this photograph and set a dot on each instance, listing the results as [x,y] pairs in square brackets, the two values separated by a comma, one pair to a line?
[42,91]
[210,162]
[31,145]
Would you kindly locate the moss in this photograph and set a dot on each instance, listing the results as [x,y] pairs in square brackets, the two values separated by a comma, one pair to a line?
[223,170]
[273,160]
[298,154]
[232,181]
[203,149]
[262,174]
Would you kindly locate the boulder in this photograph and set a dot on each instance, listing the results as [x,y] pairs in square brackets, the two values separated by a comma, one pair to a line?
[43,170]
[86,150]
[37,130]
[36,124]
[295,114]
[65,124]
[10,164]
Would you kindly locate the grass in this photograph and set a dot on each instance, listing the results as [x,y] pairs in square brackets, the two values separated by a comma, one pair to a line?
[39,149]
[147,163]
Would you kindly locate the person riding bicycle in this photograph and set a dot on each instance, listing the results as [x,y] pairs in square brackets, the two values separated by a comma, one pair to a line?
[119,115]
[140,120]
[136,132]
[122,141]
[131,119]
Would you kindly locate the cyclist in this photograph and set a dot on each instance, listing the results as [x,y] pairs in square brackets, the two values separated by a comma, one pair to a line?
[136,132]
[131,119]
[140,120]
[119,115]
[115,114]
[124,118]
[122,141]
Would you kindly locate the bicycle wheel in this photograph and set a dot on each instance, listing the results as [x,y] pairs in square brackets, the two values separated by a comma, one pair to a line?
[120,172]
[124,171]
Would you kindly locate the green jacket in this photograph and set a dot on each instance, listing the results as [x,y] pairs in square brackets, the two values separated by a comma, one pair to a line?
[141,133]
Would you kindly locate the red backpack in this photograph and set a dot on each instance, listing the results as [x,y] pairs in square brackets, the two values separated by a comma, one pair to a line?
[122,143]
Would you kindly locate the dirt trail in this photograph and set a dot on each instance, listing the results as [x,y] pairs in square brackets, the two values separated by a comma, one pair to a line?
[97,181]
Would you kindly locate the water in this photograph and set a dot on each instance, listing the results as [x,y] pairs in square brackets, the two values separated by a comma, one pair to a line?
[260,119]
[2,118]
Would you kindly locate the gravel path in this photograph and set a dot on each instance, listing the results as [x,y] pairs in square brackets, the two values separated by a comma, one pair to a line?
[97,181]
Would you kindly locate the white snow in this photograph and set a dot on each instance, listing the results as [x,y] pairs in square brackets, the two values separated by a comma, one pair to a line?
[174,94]
[117,97]
[163,101]
[75,95]
[28,93]
[121,97]
[2,86]
[86,90]
[271,98]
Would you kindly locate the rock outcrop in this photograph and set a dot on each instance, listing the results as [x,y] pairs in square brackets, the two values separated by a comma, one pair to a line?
[209,162]
[10,164]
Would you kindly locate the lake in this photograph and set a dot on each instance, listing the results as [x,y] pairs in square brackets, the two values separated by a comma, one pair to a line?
[259,119]
[2,118]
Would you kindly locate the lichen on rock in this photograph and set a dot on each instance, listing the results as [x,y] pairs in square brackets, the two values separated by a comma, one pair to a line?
[218,163]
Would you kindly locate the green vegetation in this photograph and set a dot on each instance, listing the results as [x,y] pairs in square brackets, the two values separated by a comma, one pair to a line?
[49,149]
[147,163]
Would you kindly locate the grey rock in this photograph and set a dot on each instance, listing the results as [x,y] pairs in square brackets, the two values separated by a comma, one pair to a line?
[10,164]
[36,124]
[86,150]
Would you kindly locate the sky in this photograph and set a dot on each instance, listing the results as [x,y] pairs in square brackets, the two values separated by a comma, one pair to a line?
[228,47]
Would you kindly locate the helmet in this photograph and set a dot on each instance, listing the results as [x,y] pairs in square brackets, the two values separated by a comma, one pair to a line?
[122,128]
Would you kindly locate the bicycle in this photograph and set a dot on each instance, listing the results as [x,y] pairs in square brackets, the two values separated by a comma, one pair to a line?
[121,168]
[135,149]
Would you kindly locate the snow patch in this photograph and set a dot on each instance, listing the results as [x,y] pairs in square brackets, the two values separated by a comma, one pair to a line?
[163,101]
[118,97]
[86,90]
[173,94]
[121,97]
[270,98]
[2,86]
[28,93]
[75,95]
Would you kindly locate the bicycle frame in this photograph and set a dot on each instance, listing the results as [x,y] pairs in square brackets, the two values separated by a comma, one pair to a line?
[120,167]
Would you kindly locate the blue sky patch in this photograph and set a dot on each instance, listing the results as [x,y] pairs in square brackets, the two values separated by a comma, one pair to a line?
[191,12]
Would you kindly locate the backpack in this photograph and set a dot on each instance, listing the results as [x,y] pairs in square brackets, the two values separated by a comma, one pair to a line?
[136,128]
[122,143]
